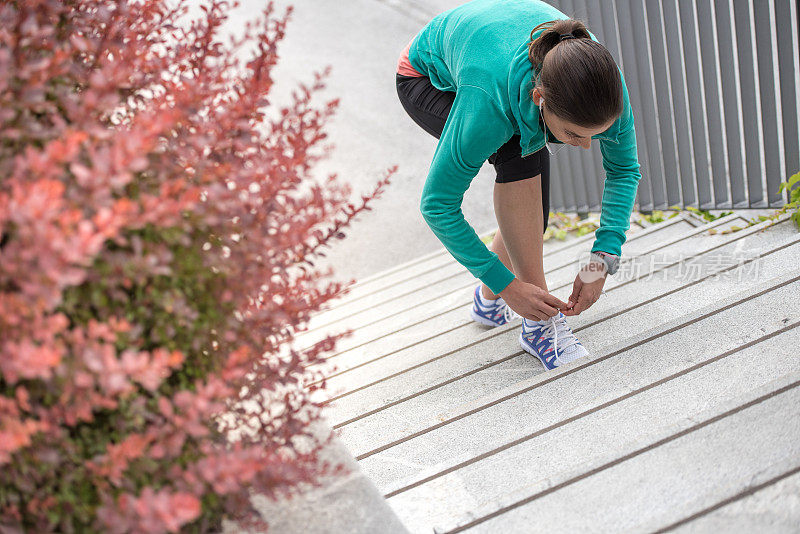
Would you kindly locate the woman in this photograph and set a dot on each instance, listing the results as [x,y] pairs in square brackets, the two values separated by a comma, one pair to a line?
[500,80]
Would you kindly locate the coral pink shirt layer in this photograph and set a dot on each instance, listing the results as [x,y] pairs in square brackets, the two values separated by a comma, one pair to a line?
[404,66]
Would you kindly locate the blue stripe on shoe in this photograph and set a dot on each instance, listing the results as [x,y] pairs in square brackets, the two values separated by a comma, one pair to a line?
[494,313]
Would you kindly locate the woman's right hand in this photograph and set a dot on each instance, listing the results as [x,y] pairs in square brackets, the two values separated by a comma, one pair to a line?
[531,301]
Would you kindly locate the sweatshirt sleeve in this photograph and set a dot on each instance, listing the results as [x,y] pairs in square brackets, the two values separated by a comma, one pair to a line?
[474,130]
[621,164]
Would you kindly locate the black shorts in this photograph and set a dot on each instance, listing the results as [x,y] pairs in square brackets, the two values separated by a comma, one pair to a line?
[429,107]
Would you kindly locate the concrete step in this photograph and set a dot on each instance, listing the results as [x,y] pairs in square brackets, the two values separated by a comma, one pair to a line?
[405,373]
[561,438]
[460,430]
[435,344]
[682,470]
[431,281]
[438,260]
[450,413]
[409,272]
[450,294]
[347,502]
[432,258]
[771,506]
[429,284]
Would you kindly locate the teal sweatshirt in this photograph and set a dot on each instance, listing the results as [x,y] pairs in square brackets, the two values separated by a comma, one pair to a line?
[480,51]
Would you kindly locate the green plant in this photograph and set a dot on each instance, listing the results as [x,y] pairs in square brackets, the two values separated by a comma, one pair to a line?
[653,217]
[561,225]
[657,216]
[793,207]
[707,215]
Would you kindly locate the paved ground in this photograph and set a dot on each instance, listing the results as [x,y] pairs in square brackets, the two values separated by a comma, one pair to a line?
[361,40]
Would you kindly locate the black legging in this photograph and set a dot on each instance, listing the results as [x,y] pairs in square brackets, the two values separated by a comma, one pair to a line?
[429,108]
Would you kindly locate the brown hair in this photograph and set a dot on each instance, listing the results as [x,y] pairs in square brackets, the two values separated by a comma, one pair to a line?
[578,77]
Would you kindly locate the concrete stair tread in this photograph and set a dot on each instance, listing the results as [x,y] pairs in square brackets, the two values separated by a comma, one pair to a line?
[438,281]
[367,365]
[772,507]
[446,387]
[397,315]
[609,427]
[476,401]
[347,502]
[461,430]
[691,466]
[441,258]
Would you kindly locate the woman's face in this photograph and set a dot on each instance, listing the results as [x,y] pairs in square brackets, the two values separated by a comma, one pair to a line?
[567,132]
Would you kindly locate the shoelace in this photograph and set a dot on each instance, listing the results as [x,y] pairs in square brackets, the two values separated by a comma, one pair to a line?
[552,329]
[509,314]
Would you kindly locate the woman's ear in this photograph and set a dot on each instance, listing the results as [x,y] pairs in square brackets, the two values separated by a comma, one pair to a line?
[536,94]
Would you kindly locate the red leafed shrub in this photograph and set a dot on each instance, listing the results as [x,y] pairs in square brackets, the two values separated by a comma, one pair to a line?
[158,222]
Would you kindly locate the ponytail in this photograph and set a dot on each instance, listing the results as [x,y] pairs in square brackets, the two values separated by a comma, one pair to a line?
[551,37]
[579,78]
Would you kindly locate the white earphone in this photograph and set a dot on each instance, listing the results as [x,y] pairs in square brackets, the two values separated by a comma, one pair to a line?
[546,144]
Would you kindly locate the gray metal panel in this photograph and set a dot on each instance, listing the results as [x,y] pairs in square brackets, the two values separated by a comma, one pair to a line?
[697,102]
[585,167]
[631,73]
[768,73]
[750,96]
[680,104]
[557,178]
[568,184]
[789,68]
[582,159]
[664,107]
[711,79]
[610,25]
[574,189]
[732,111]
[595,176]
[649,110]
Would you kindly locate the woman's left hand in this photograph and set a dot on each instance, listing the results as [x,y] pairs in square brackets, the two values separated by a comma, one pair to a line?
[587,288]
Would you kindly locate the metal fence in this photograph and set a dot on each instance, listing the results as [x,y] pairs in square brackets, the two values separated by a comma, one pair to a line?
[715,90]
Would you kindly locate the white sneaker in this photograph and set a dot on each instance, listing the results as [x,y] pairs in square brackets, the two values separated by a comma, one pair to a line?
[551,341]
[491,313]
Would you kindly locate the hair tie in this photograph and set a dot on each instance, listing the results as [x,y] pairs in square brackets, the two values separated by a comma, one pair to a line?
[566,36]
